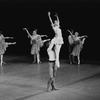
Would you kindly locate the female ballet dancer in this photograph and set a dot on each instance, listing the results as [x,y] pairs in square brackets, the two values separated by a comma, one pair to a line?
[37,43]
[71,45]
[3,46]
[58,36]
[78,45]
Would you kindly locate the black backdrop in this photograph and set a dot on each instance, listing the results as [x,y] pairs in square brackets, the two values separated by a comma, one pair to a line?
[81,16]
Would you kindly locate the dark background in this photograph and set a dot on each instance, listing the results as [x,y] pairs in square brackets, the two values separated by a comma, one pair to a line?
[80,15]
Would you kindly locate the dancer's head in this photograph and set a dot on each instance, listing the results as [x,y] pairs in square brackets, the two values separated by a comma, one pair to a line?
[56,23]
[76,34]
[34,32]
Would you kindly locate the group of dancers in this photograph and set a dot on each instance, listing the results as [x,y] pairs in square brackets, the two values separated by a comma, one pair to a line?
[75,46]
[54,46]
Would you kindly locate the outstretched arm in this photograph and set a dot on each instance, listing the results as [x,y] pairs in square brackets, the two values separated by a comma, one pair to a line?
[43,36]
[10,43]
[50,19]
[45,40]
[8,37]
[84,36]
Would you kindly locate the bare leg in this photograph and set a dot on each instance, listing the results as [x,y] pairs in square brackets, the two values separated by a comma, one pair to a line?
[78,59]
[58,47]
[34,58]
[73,58]
[1,60]
[38,58]
[70,58]
[51,76]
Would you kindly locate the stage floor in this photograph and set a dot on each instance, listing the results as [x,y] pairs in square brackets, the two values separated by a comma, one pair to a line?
[22,80]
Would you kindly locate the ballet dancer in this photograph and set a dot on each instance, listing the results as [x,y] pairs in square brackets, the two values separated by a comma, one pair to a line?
[36,42]
[58,36]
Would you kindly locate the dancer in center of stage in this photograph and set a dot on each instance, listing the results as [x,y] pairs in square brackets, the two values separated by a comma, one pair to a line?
[58,36]
[37,43]
[3,46]
[53,66]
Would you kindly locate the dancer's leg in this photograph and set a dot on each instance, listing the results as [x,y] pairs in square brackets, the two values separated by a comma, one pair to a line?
[34,58]
[53,84]
[78,59]
[50,76]
[38,58]
[1,60]
[58,47]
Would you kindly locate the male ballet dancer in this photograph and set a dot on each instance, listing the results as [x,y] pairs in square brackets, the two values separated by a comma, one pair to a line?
[53,64]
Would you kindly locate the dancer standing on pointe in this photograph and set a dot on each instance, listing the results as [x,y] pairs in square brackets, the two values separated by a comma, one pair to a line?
[58,36]
[3,46]
[37,43]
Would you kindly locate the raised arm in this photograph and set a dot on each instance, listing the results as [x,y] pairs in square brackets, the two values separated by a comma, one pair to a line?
[57,18]
[71,33]
[27,32]
[50,19]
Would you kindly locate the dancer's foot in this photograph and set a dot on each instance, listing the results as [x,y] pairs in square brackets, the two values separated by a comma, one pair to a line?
[3,62]
[55,88]
[39,62]
[78,63]
[48,89]
[70,62]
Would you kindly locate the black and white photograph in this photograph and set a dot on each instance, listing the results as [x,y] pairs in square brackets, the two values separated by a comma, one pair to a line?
[49,50]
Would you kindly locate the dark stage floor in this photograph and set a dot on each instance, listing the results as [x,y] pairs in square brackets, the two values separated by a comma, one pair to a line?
[22,80]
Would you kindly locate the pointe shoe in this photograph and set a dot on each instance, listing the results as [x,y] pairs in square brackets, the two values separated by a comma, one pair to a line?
[39,62]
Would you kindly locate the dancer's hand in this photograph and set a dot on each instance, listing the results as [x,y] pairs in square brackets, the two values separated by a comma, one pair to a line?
[24,28]
[46,36]
[49,13]
[56,14]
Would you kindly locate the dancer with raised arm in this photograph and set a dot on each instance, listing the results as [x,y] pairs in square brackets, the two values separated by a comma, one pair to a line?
[58,36]
[36,42]
[71,45]
[79,41]
[3,46]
